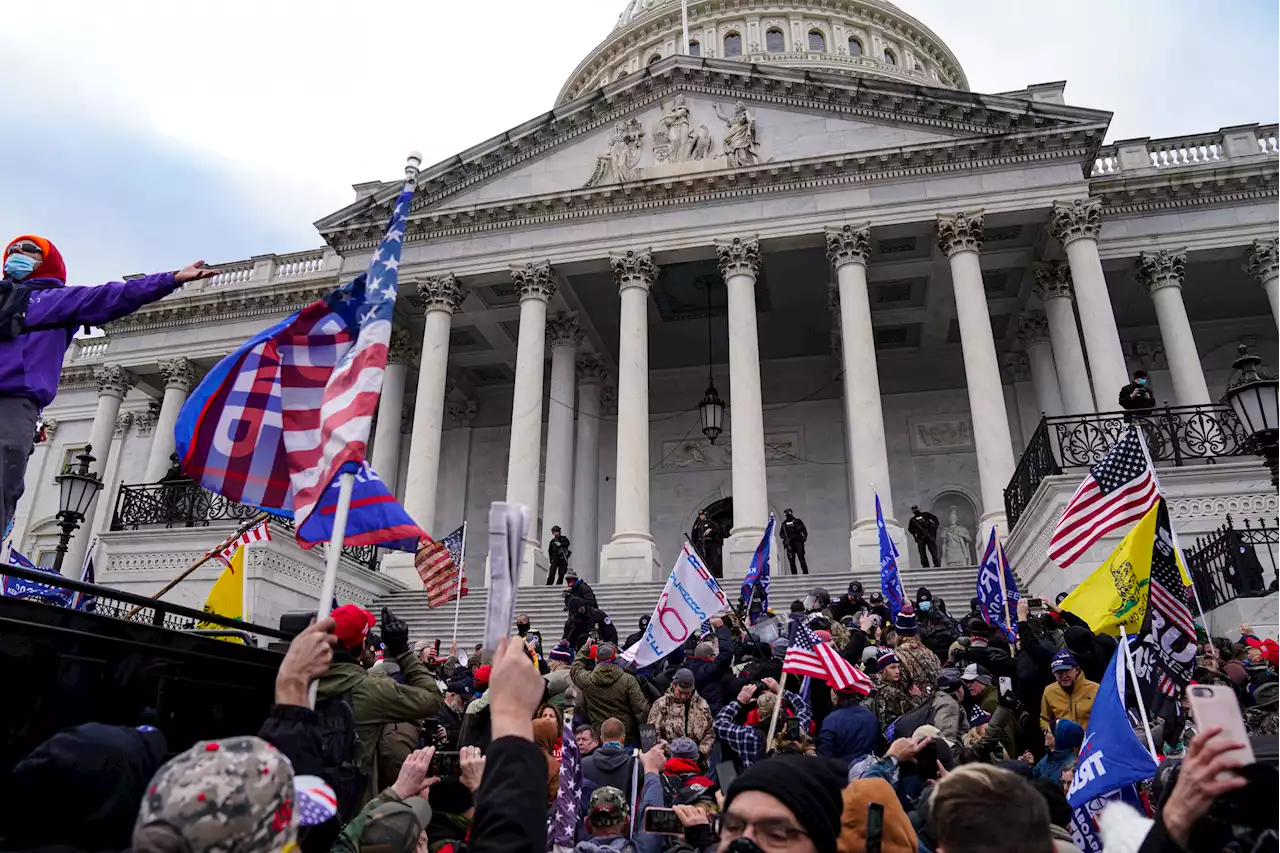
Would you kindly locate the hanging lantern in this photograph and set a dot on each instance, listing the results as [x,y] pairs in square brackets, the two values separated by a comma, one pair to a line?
[712,411]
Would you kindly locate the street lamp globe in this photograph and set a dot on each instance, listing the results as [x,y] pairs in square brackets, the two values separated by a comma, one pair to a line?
[1252,396]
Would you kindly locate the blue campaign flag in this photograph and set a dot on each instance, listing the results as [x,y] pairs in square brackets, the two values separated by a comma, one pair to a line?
[998,606]
[890,583]
[1111,755]
[23,588]
[83,601]
[757,579]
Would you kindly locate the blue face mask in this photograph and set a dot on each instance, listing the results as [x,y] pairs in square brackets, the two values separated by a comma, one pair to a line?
[19,267]
[1142,381]
[926,605]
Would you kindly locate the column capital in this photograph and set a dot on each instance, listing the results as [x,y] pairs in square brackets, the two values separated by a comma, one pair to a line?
[50,428]
[401,348]
[563,331]
[609,400]
[123,421]
[739,256]
[178,373]
[1053,279]
[849,244]
[462,413]
[592,370]
[833,300]
[145,421]
[534,280]
[1161,268]
[1262,259]
[960,232]
[634,269]
[1015,367]
[1033,328]
[440,292]
[1149,355]
[1077,219]
[113,380]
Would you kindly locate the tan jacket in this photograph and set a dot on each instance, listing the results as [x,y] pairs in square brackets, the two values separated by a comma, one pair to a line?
[691,719]
[1058,704]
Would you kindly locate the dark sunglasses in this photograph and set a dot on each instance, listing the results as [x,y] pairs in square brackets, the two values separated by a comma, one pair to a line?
[26,247]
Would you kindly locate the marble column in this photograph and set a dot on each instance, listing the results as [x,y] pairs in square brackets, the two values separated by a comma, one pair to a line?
[960,239]
[385,458]
[441,295]
[848,248]
[1033,330]
[836,346]
[1262,263]
[1161,273]
[179,377]
[739,266]
[114,383]
[563,337]
[1053,285]
[631,554]
[585,534]
[1076,224]
[536,284]
[455,465]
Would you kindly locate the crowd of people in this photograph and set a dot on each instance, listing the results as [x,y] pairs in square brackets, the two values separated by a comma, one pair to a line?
[956,741]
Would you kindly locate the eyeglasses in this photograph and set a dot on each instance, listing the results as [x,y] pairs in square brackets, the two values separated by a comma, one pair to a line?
[776,831]
[26,247]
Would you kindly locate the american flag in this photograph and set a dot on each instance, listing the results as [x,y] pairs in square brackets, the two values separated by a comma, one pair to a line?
[564,820]
[275,422]
[1120,489]
[258,533]
[1168,638]
[440,565]
[809,655]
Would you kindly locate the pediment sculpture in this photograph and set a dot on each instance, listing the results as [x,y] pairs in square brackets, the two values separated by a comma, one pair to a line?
[618,164]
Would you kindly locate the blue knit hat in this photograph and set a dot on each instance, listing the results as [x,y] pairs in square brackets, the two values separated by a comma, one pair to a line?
[561,652]
[886,659]
[906,621]
[1067,735]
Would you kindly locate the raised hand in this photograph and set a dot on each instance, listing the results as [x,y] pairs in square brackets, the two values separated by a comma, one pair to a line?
[194,272]
[413,779]
[308,658]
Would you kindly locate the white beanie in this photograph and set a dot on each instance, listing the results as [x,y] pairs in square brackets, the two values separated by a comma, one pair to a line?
[1123,828]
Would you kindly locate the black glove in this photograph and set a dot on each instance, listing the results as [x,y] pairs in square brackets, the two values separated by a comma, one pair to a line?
[395,634]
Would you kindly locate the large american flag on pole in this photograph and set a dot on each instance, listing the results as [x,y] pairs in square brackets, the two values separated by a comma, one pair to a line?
[809,655]
[1118,490]
[564,819]
[275,422]
[440,565]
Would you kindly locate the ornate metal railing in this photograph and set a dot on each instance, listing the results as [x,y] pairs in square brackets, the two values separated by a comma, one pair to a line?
[1234,563]
[184,503]
[1176,435]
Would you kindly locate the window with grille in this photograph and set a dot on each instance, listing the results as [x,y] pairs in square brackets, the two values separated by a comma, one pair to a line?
[774,42]
[733,45]
[855,47]
[817,41]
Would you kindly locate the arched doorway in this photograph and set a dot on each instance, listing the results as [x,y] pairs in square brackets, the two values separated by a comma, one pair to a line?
[719,513]
[957,529]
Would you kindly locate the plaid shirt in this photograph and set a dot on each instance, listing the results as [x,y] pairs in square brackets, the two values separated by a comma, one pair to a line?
[746,740]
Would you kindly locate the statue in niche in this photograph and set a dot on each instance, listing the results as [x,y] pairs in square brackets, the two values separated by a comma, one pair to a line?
[619,162]
[675,121]
[957,543]
[740,142]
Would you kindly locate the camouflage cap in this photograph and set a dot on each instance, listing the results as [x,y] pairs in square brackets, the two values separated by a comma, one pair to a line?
[226,796]
[608,806]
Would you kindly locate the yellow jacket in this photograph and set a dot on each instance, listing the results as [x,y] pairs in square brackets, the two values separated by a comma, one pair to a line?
[1058,704]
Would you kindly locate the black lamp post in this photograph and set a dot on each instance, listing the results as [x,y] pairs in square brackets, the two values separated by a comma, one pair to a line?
[1252,396]
[711,409]
[77,490]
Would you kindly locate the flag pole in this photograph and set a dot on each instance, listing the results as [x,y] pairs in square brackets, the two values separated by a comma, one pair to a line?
[457,591]
[1004,591]
[333,553]
[1142,706]
[773,721]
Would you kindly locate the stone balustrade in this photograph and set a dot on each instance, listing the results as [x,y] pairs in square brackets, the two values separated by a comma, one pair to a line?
[265,269]
[88,348]
[1183,151]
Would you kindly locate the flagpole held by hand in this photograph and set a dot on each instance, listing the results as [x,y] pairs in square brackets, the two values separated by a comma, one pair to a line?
[1137,690]
[346,483]
[773,721]
[457,592]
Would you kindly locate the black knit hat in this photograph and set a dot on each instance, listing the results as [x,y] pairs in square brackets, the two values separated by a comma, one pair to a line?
[811,787]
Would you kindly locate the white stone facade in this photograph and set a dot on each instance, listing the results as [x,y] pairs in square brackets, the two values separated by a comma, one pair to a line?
[902,280]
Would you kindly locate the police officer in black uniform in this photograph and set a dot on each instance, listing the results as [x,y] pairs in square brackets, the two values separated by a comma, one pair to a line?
[709,539]
[558,552]
[923,527]
[793,536]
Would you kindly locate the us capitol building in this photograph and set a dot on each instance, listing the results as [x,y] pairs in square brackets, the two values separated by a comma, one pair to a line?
[896,285]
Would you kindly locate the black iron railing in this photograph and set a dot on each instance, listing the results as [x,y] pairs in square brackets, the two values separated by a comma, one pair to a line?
[1234,563]
[185,503]
[116,604]
[1176,435]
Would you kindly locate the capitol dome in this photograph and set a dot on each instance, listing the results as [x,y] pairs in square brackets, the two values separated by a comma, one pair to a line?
[858,37]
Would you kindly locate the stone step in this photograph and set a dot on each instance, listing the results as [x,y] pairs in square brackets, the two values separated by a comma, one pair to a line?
[626,603]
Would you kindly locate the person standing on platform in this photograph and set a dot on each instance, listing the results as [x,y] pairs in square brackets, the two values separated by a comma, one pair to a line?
[923,528]
[794,535]
[709,539]
[558,552]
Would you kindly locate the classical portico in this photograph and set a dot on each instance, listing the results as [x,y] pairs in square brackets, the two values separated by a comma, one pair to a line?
[570,287]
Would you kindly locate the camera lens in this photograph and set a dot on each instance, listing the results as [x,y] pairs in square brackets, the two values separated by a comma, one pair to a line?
[1201,691]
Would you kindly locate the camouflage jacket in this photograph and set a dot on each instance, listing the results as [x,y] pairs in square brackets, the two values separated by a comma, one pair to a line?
[1261,721]
[919,665]
[673,718]
[890,701]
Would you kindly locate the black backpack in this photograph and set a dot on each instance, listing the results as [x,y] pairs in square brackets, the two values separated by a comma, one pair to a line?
[13,308]
[910,721]
[340,751]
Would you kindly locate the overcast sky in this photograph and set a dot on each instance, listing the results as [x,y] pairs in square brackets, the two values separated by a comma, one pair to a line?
[143,135]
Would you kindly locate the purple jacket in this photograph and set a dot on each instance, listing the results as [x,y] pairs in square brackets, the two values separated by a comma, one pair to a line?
[31,363]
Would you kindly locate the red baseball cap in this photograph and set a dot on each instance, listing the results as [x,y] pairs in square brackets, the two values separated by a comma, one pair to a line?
[353,624]
[482,675]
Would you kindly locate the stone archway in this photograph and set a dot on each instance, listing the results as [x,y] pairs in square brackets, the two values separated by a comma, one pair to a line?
[958,547]
[719,511]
